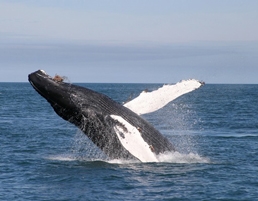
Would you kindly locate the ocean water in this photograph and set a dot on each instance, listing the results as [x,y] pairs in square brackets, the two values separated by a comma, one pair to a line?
[214,129]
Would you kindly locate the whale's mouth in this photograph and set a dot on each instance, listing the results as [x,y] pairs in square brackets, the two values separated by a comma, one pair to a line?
[39,73]
[34,77]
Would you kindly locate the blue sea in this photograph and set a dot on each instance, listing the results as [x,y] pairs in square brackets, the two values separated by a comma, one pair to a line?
[214,129]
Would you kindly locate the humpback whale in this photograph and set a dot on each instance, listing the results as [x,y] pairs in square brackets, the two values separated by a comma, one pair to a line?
[118,130]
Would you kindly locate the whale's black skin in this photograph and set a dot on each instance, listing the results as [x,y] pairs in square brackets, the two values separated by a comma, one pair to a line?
[90,111]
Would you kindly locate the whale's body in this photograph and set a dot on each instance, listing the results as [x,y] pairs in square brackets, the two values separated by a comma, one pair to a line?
[116,130]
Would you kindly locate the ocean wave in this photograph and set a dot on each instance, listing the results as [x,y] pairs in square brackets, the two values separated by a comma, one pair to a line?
[176,157]
[170,157]
[61,157]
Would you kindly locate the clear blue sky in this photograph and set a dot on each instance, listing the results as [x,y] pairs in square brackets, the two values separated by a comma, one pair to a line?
[130,41]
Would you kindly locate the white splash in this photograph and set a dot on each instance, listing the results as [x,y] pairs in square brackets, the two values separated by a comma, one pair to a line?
[170,157]
[122,161]
[62,157]
[148,102]
[176,157]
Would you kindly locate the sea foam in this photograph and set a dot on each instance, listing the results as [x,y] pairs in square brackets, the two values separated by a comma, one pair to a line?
[169,157]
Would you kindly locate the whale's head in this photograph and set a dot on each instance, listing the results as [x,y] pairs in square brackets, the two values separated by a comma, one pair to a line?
[53,90]
[66,99]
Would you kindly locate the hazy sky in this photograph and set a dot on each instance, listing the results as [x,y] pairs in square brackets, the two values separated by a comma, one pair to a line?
[130,41]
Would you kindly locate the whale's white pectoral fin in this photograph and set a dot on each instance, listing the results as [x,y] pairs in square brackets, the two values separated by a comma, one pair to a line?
[131,139]
[148,102]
